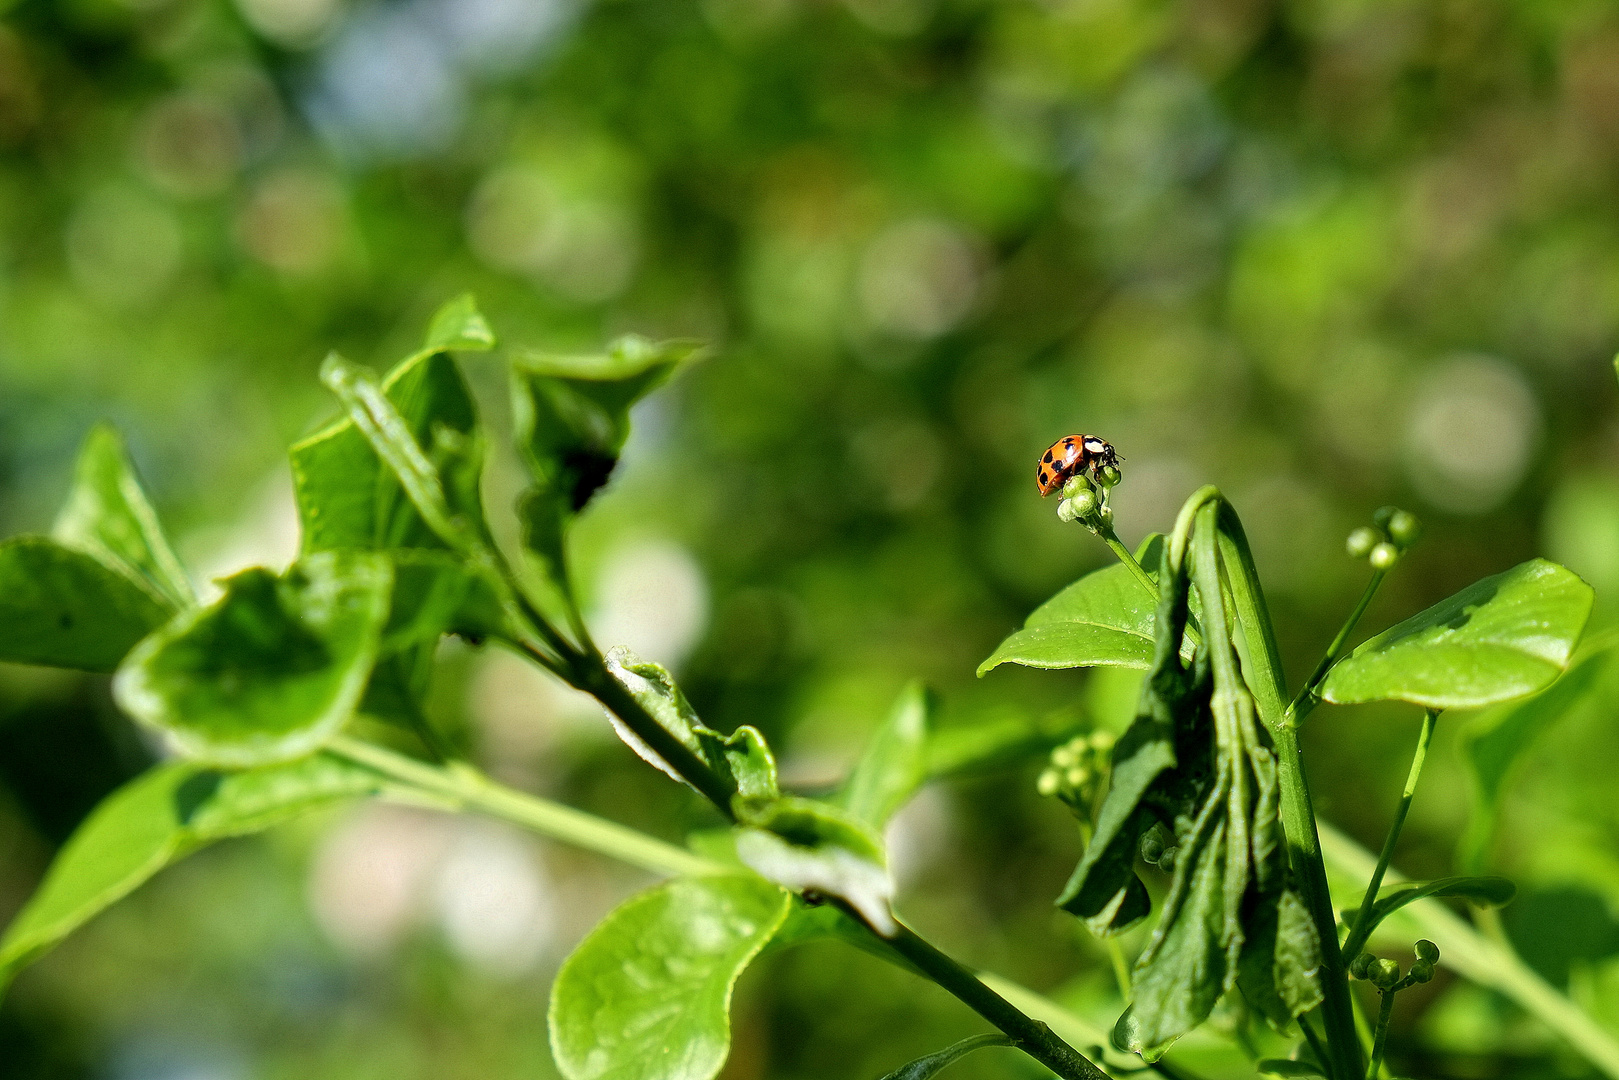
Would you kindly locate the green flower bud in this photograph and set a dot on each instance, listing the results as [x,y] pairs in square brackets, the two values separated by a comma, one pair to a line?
[1077,777]
[1066,511]
[1361,541]
[1384,556]
[1075,484]
[1382,515]
[1065,756]
[1084,503]
[1152,848]
[1361,966]
[1103,741]
[1048,783]
[1427,951]
[1421,972]
[1384,974]
[1109,476]
[1404,528]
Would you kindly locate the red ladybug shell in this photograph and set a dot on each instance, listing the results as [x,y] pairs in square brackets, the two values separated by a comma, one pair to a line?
[1065,458]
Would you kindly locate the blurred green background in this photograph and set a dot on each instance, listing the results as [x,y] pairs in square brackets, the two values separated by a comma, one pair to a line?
[1328,254]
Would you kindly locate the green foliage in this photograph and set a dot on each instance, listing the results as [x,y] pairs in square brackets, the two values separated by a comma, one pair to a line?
[422,417]
[572,416]
[1102,620]
[63,608]
[647,994]
[804,844]
[1483,891]
[1494,742]
[894,763]
[1285,1067]
[1503,637]
[157,819]
[924,1068]
[107,515]
[271,670]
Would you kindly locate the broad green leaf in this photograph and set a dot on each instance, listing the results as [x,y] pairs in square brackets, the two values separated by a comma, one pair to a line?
[347,497]
[1105,619]
[1126,1037]
[741,758]
[271,670]
[64,608]
[435,593]
[108,516]
[1500,638]
[1493,742]
[923,1068]
[803,844]
[1483,891]
[894,763]
[647,994]
[1289,1067]
[460,325]
[156,819]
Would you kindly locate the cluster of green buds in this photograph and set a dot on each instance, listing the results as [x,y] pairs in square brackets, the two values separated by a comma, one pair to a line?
[1084,498]
[1078,773]
[1385,974]
[1392,533]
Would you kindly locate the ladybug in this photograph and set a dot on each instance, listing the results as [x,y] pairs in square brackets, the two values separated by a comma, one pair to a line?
[1070,456]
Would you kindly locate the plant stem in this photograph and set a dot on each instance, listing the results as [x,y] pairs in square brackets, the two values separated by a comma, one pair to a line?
[1031,1036]
[1385,1010]
[471,788]
[1307,699]
[1320,1052]
[1363,919]
[1127,557]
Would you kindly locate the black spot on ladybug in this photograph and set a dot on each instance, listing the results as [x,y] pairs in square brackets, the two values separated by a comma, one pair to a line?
[1047,458]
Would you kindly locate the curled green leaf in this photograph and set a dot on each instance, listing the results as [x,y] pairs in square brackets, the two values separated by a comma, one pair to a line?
[271,670]
[924,1068]
[894,763]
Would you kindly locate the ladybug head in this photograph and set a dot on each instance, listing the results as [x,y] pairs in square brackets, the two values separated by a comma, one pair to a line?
[1101,452]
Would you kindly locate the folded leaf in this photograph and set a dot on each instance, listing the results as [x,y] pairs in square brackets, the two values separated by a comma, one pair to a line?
[742,759]
[647,994]
[107,515]
[156,819]
[64,608]
[460,325]
[803,844]
[271,670]
[1288,1067]
[1184,971]
[348,498]
[894,763]
[1500,638]
[923,1068]
[1105,619]
[1279,970]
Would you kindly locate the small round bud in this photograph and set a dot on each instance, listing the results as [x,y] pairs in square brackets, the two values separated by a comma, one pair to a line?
[1075,484]
[1382,515]
[1103,740]
[1360,967]
[1421,972]
[1361,541]
[1384,556]
[1077,776]
[1066,511]
[1109,476]
[1427,951]
[1404,528]
[1166,861]
[1384,974]
[1085,503]
[1152,848]
[1065,756]
[1048,783]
